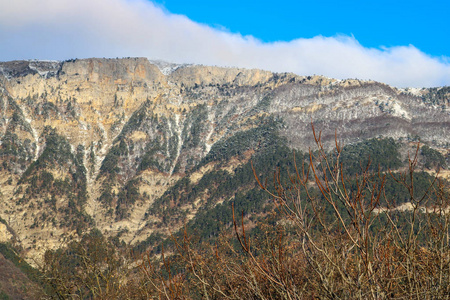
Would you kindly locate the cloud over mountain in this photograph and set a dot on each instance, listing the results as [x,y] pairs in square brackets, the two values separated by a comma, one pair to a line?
[62,29]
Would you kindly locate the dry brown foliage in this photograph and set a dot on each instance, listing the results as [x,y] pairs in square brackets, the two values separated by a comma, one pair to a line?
[331,241]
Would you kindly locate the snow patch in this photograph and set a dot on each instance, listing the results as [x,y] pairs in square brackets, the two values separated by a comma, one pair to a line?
[34,134]
[208,137]
[167,68]
[178,130]
[44,68]
[398,111]
[413,91]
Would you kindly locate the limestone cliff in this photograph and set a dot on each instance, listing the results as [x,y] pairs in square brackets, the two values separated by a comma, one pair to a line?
[94,142]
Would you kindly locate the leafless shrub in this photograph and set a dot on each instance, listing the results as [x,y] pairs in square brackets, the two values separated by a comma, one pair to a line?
[337,237]
[349,256]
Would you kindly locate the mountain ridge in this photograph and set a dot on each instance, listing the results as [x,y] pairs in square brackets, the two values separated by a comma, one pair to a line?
[95,142]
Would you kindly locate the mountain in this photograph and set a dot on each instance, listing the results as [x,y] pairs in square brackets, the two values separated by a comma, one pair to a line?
[137,148]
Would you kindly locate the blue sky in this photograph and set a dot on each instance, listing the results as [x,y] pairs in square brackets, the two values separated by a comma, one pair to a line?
[405,43]
[424,24]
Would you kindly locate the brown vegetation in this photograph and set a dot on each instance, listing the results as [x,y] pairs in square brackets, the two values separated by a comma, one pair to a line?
[14,284]
[329,240]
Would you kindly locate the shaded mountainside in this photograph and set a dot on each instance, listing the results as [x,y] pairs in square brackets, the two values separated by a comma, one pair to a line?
[14,284]
[138,148]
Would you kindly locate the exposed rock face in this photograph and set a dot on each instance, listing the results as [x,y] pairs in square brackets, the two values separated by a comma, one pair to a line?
[5,235]
[94,142]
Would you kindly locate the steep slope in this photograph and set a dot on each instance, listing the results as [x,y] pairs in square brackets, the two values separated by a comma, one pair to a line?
[100,142]
[17,279]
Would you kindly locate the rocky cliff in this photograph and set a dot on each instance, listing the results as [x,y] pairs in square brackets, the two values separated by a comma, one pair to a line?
[96,142]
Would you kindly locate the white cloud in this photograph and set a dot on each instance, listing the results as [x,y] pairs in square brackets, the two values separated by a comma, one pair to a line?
[62,29]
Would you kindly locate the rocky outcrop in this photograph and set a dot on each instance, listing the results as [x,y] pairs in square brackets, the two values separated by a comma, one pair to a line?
[94,142]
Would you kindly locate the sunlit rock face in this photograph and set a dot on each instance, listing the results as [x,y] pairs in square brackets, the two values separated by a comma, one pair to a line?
[94,142]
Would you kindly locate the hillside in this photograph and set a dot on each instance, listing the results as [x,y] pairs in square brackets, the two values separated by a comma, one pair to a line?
[138,148]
